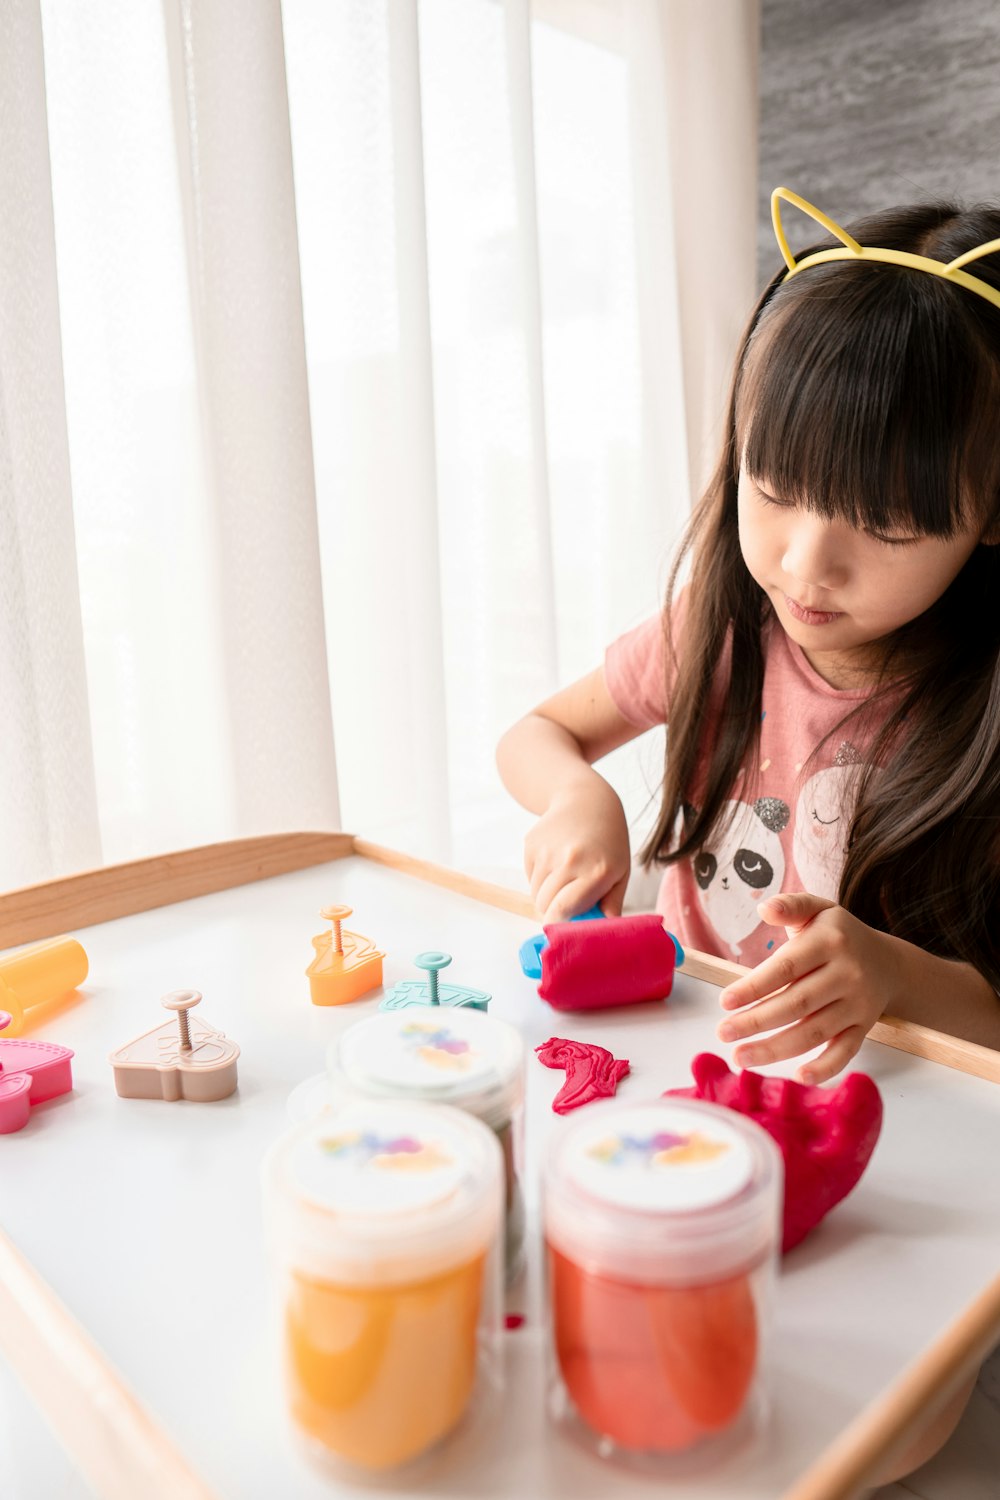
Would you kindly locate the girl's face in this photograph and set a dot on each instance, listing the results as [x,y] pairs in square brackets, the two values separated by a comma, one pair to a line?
[838,590]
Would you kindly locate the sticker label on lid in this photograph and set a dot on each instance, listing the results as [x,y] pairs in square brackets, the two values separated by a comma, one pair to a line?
[399,1153]
[660,1157]
[440,1048]
[386,1167]
[442,1054]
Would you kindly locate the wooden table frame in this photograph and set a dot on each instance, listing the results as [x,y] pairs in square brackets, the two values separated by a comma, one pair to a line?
[115,1442]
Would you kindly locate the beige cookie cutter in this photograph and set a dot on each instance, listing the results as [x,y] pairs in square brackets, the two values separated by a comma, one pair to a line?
[189,1060]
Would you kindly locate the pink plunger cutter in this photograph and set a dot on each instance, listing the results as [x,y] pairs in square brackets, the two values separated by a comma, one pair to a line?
[30,1073]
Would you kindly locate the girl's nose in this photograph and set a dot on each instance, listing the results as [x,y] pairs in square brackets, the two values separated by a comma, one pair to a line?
[814,553]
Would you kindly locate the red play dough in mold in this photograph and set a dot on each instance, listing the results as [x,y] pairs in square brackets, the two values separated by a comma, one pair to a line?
[826,1136]
[615,961]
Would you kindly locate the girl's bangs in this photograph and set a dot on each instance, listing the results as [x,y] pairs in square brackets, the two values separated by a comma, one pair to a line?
[842,407]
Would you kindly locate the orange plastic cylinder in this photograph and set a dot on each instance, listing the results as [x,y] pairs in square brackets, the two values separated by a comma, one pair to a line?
[380,1374]
[46,971]
[655,1368]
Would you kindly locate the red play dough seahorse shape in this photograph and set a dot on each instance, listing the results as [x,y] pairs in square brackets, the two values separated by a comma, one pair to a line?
[826,1135]
[591,1071]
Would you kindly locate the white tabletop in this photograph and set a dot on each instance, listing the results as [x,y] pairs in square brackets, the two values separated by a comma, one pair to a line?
[145,1216]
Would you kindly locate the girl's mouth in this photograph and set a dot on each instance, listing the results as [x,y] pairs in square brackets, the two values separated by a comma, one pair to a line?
[812,616]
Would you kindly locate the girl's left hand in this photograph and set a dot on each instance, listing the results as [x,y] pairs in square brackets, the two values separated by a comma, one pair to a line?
[836,976]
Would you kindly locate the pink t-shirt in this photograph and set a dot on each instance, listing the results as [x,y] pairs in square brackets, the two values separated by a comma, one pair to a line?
[789,835]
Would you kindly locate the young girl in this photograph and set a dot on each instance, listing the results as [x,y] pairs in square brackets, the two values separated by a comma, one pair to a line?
[831,674]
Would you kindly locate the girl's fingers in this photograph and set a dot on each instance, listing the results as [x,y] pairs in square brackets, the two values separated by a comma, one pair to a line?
[794,961]
[613,900]
[537,865]
[793,909]
[549,878]
[547,887]
[794,1040]
[538,873]
[564,898]
[836,1056]
[802,999]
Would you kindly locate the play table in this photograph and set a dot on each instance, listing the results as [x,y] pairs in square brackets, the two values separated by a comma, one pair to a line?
[135,1301]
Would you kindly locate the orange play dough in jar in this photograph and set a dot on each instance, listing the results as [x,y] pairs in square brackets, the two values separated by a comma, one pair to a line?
[380,1374]
[655,1368]
[386,1221]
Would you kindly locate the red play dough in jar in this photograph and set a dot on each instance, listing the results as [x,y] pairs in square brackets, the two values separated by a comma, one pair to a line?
[655,1368]
[662,1224]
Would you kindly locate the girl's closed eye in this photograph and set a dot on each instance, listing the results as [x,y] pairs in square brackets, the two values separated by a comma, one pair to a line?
[892,541]
[886,539]
[773,499]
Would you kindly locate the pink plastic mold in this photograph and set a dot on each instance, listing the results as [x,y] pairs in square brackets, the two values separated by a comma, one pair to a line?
[30,1073]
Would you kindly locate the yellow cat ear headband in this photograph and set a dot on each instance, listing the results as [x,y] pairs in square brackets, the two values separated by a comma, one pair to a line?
[950,271]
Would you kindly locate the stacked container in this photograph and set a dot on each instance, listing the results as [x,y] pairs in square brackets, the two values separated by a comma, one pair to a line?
[450,1056]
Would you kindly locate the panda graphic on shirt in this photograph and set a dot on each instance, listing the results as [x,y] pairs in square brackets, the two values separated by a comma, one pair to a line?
[746,867]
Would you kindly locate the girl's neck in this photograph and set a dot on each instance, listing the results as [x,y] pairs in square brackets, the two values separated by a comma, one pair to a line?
[847,670]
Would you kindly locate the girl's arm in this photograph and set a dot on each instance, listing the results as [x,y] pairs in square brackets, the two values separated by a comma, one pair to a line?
[949,996]
[578,852]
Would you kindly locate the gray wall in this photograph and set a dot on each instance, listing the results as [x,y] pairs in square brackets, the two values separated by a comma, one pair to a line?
[867,103]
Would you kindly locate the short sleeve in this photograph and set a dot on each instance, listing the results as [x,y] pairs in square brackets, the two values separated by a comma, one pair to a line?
[635,674]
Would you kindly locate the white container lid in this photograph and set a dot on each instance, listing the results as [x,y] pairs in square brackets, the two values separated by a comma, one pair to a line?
[675,1191]
[437,1054]
[381,1194]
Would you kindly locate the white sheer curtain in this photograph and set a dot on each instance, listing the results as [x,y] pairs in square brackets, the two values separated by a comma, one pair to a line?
[358,359]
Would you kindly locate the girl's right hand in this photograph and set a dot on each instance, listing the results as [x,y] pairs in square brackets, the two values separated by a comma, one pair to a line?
[578,852]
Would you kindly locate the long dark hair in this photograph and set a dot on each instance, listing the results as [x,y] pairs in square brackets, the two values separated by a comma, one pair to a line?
[868,392]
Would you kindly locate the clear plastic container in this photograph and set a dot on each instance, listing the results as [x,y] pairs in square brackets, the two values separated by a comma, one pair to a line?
[386,1220]
[663,1228]
[447,1056]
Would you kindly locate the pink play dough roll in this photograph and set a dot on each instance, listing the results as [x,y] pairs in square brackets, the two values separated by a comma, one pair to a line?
[616,961]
